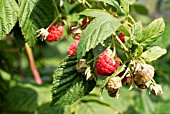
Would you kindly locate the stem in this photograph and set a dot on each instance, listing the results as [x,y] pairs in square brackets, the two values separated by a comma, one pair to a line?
[114,47]
[34,70]
[123,46]
[93,59]
[58,13]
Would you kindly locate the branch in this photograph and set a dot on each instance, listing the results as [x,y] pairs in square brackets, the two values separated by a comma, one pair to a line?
[34,70]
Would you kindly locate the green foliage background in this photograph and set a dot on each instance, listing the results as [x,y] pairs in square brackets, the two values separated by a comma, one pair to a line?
[20,95]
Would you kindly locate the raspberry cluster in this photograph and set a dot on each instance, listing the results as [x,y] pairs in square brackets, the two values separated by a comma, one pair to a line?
[55,33]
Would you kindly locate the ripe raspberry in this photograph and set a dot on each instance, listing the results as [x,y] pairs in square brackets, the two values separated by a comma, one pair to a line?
[55,33]
[105,64]
[143,73]
[84,22]
[113,86]
[73,47]
[121,37]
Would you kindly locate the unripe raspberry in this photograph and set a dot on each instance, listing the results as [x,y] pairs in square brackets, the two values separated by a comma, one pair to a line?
[106,65]
[55,33]
[143,85]
[143,73]
[121,37]
[113,86]
[73,47]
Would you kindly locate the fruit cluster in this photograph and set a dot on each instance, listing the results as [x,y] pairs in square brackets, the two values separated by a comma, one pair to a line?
[137,74]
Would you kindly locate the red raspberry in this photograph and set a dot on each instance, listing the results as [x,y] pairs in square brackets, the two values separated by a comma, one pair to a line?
[105,64]
[121,37]
[73,47]
[55,33]
[84,22]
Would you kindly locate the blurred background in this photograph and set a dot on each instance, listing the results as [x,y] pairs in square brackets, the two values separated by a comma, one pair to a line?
[20,95]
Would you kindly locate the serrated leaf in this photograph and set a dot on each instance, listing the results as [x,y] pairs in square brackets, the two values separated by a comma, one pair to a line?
[33,15]
[68,84]
[97,31]
[136,29]
[152,32]
[153,53]
[164,41]
[8,16]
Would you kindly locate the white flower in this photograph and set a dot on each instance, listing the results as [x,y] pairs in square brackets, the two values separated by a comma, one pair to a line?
[42,32]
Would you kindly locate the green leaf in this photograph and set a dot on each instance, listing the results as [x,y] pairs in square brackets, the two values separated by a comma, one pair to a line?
[140,9]
[102,46]
[68,84]
[124,6]
[26,97]
[113,3]
[94,13]
[33,15]
[97,31]
[153,53]
[8,16]
[136,49]
[152,32]
[94,105]
[143,104]
[136,29]
[164,41]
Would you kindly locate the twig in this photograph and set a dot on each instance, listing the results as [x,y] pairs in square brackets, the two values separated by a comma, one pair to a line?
[34,70]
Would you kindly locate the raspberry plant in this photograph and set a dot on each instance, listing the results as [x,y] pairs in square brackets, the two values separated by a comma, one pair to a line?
[109,44]
[132,49]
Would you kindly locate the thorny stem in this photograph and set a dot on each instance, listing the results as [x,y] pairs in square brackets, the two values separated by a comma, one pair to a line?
[34,70]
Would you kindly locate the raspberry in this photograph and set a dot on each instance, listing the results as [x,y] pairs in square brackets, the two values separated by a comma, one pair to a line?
[143,73]
[105,64]
[143,85]
[113,86]
[73,47]
[121,37]
[84,22]
[55,33]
